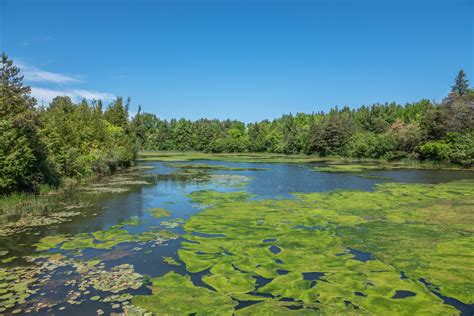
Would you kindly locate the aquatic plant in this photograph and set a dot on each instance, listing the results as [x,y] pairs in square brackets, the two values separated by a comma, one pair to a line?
[169,292]
[158,212]
[171,261]
[211,167]
[264,251]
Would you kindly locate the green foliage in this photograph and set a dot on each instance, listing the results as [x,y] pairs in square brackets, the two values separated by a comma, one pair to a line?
[461,83]
[23,161]
[455,147]
[381,131]
[63,139]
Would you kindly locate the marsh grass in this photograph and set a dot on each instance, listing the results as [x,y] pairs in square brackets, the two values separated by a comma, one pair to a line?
[171,156]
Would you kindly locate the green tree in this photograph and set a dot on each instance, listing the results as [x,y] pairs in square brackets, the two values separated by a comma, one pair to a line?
[461,83]
[117,113]
[23,160]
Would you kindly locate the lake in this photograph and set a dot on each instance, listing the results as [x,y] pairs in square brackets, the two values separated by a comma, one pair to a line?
[113,223]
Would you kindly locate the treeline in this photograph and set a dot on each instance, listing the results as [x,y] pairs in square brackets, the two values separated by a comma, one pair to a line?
[43,145]
[422,130]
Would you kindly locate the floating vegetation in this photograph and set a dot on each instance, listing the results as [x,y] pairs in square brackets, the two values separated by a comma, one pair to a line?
[212,167]
[171,261]
[15,286]
[176,222]
[204,176]
[210,197]
[232,180]
[132,221]
[20,286]
[338,167]
[28,222]
[114,184]
[103,239]
[115,280]
[349,168]
[171,290]
[366,240]
[158,212]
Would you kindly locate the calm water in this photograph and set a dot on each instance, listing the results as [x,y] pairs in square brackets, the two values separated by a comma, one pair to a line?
[279,180]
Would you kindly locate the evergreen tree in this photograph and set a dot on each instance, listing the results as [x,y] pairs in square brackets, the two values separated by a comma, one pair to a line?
[23,164]
[461,83]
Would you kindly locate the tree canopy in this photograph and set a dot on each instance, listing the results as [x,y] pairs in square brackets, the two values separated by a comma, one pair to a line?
[42,145]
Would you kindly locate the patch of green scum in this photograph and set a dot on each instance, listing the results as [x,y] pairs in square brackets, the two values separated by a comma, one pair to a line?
[212,167]
[419,230]
[50,242]
[273,307]
[103,239]
[348,168]
[107,239]
[158,236]
[421,251]
[172,223]
[342,166]
[225,279]
[78,243]
[171,261]
[211,197]
[158,212]
[175,294]
[132,221]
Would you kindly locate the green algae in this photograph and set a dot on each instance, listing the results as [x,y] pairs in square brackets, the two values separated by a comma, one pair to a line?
[158,212]
[132,221]
[417,230]
[348,168]
[171,261]
[209,197]
[50,242]
[204,176]
[204,166]
[176,222]
[175,294]
[103,239]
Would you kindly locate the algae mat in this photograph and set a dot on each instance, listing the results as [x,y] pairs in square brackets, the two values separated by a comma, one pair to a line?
[397,250]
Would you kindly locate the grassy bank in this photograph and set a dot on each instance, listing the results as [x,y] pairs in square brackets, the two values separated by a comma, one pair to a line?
[168,156]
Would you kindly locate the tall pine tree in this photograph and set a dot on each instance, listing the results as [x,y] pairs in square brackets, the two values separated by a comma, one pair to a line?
[461,83]
[23,163]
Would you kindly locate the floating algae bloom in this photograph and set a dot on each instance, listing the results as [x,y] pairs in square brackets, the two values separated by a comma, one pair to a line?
[159,212]
[211,167]
[414,231]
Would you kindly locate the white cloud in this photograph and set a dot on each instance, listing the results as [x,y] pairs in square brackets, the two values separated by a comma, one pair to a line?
[34,74]
[47,95]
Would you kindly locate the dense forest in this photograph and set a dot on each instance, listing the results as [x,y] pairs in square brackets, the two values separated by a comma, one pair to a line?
[44,144]
[422,130]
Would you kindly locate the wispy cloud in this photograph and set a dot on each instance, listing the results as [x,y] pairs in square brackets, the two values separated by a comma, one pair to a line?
[38,39]
[34,74]
[47,95]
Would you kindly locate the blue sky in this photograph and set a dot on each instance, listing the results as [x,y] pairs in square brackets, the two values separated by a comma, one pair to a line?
[246,60]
